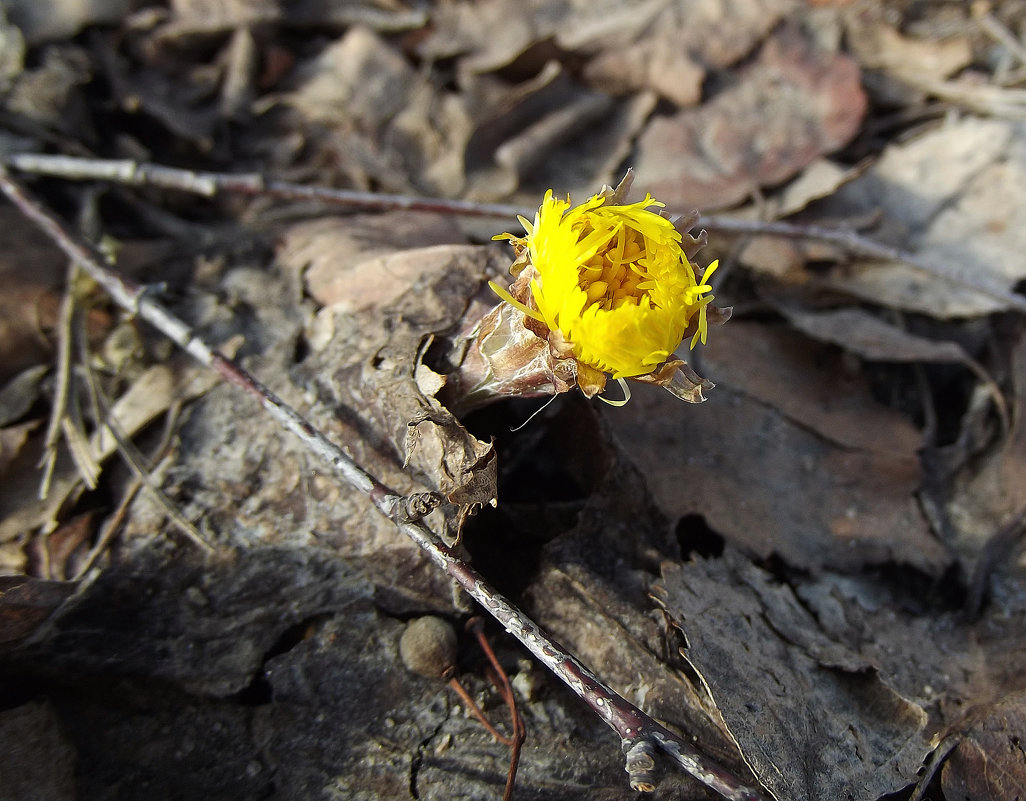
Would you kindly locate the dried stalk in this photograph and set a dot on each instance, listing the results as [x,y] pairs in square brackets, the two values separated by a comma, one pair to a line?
[210,184]
[637,730]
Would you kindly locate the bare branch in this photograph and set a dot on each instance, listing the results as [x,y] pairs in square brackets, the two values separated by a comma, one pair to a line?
[210,184]
[857,245]
[629,722]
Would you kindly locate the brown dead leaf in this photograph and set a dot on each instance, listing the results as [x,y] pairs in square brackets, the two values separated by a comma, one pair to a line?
[820,179]
[521,130]
[661,65]
[388,123]
[31,271]
[21,393]
[860,332]
[872,338]
[25,603]
[372,369]
[808,384]
[794,458]
[877,45]
[51,94]
[669,54]
[193,18]
[989,762]
[594,619]
[709,32]
[351,262]
[950,196]
[594,157]
[12,52]
[12,440]
[57,555]
[813,718]
[357,81]
[792,105]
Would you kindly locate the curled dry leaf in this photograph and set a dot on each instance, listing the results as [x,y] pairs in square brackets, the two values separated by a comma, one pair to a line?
[877,45]
[20,393]
[31,270]
[792,105]
[371,365]
[522,131]
[706,32]
[357,80]
[192,18]
[12,440]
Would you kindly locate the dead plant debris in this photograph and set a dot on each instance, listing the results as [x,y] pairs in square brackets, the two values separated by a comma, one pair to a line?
[816,577]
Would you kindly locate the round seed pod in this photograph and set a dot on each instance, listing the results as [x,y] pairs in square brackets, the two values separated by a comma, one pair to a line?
[428,647]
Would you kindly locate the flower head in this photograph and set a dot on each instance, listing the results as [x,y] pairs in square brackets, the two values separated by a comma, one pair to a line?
[610,285]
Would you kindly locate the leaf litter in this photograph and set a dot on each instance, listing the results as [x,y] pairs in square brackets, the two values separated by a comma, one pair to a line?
[815,572]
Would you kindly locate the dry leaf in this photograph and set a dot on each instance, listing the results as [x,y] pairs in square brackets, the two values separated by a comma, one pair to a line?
[372,368]
[351,262]
[21,393]
[877,45]
[12,440]
[21,511]
[388,123]
[669,54]
[812,717]
[794,458]
[862,333]
[792,105]
[25,603]
[520,129]
[989,762]
[357,81]
[951,197]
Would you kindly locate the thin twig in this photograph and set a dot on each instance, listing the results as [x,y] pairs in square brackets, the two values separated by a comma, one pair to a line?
[111,526]
[62,376]
[457,687]
[858,245]
[516,742]
[210,184]
[106,422]
[629,722]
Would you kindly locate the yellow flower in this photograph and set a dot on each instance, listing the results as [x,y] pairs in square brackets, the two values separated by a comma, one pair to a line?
[613,281]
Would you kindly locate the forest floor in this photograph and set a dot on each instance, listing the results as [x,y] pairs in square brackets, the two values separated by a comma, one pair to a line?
[816,577]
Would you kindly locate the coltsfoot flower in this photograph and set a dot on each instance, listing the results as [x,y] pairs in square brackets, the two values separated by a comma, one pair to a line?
[609,287]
